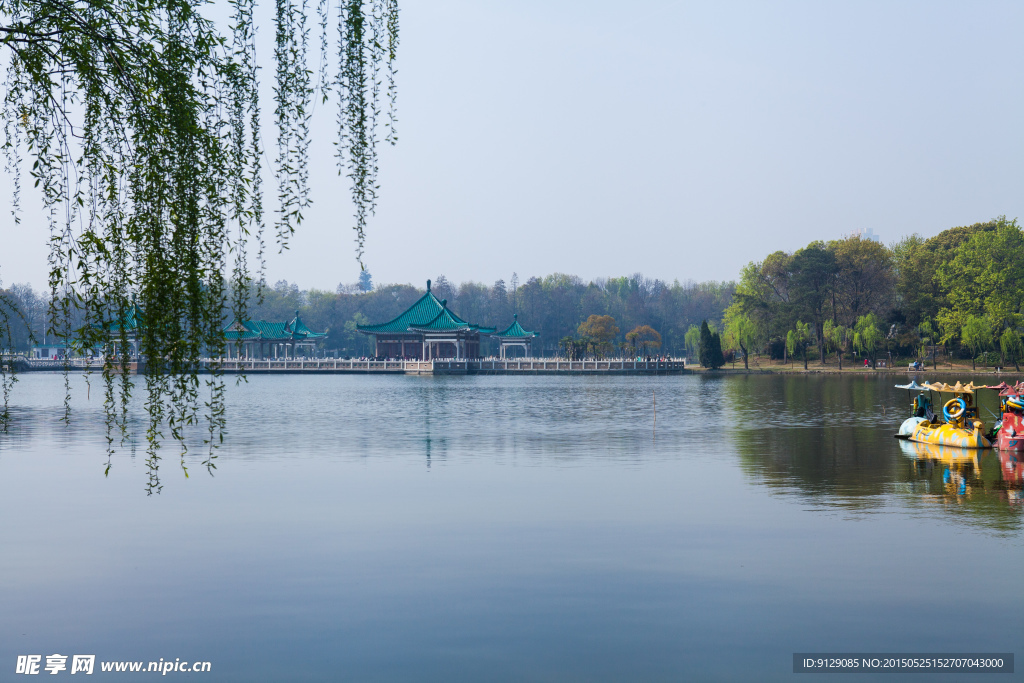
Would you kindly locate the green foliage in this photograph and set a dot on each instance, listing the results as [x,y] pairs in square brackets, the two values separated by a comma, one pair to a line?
[355,343]
[986,275]
[797,339]
[927,332]
[572,349]
[836,336]
[919,289]
[710,348]
[763,296]
[368,39]
[692,341]
[715,357]
[867,335]
[740,331]
[1011,346]
[928,336]
[976,334]
[10,316]
[143,122]
[554,306]
[977,269]
[864,278]
[704,346]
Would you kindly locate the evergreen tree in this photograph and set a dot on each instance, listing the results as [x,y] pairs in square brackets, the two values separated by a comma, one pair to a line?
[710,349]
[704,345]
[715,357]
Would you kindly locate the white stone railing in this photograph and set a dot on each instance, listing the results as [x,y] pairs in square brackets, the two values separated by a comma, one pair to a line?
[312,365]
[410,366]
[554,365]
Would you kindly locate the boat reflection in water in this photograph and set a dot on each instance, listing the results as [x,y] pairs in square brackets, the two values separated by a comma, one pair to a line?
[829,441]
[949,455]
[962,473]
[1011,466]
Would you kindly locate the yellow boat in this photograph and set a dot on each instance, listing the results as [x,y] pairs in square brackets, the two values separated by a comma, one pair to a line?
[950,434]
[960,427]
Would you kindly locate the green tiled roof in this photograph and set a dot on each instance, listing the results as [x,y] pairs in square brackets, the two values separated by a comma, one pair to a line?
[445,320]
[515,330]
[129,322]
[428,313]
[246,330]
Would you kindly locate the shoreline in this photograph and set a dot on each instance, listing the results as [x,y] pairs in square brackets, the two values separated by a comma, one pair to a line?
[857,371]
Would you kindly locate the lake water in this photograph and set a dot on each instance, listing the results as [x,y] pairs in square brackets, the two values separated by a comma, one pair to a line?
[508,528]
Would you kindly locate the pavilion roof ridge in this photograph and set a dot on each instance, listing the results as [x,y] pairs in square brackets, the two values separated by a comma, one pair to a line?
[261,329]
[132,320]
[444,320]
[420,315]
[515,330]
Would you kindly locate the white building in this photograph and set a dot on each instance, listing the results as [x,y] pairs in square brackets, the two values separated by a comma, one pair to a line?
[865,234]
[55,351]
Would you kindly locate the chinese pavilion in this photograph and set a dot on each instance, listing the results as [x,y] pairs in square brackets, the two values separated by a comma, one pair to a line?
[261,339]
[515,336]
[125,330]
[428,329]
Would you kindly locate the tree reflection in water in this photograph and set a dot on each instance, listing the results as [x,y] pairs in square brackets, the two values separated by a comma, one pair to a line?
[831,439]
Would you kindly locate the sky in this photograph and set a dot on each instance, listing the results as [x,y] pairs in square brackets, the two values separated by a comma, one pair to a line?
[680,140]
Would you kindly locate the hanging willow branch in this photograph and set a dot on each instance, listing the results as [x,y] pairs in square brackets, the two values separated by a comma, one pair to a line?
[9,315]
[366,41]
[293,95]
[142,125]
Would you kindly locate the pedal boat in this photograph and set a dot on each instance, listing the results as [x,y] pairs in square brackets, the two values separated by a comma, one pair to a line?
[959,428]
[950,434]
[1011,430]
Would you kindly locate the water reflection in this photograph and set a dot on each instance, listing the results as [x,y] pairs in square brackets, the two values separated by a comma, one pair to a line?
[824,437]
[978,487]
[830,439]
[552,537]
[1012,468]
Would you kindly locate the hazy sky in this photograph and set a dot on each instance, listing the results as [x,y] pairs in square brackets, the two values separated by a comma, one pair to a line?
[677,139]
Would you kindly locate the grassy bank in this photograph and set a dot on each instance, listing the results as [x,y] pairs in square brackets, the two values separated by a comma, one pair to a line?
[831,366]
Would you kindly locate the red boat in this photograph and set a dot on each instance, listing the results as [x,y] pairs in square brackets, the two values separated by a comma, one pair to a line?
[1011,433]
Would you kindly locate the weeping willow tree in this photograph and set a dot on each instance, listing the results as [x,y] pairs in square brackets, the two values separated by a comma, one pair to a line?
[140,123]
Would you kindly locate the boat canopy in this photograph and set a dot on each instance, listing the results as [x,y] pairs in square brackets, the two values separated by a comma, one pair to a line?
[987,402]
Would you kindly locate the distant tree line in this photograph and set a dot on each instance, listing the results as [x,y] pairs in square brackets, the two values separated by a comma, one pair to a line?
[960,291]
[959,294]
[648,315]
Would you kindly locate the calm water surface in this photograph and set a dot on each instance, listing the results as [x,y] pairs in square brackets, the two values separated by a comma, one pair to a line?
[508,528]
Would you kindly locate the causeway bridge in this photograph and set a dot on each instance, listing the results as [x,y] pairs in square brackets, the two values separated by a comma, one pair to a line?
[445,366]
[524,366]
